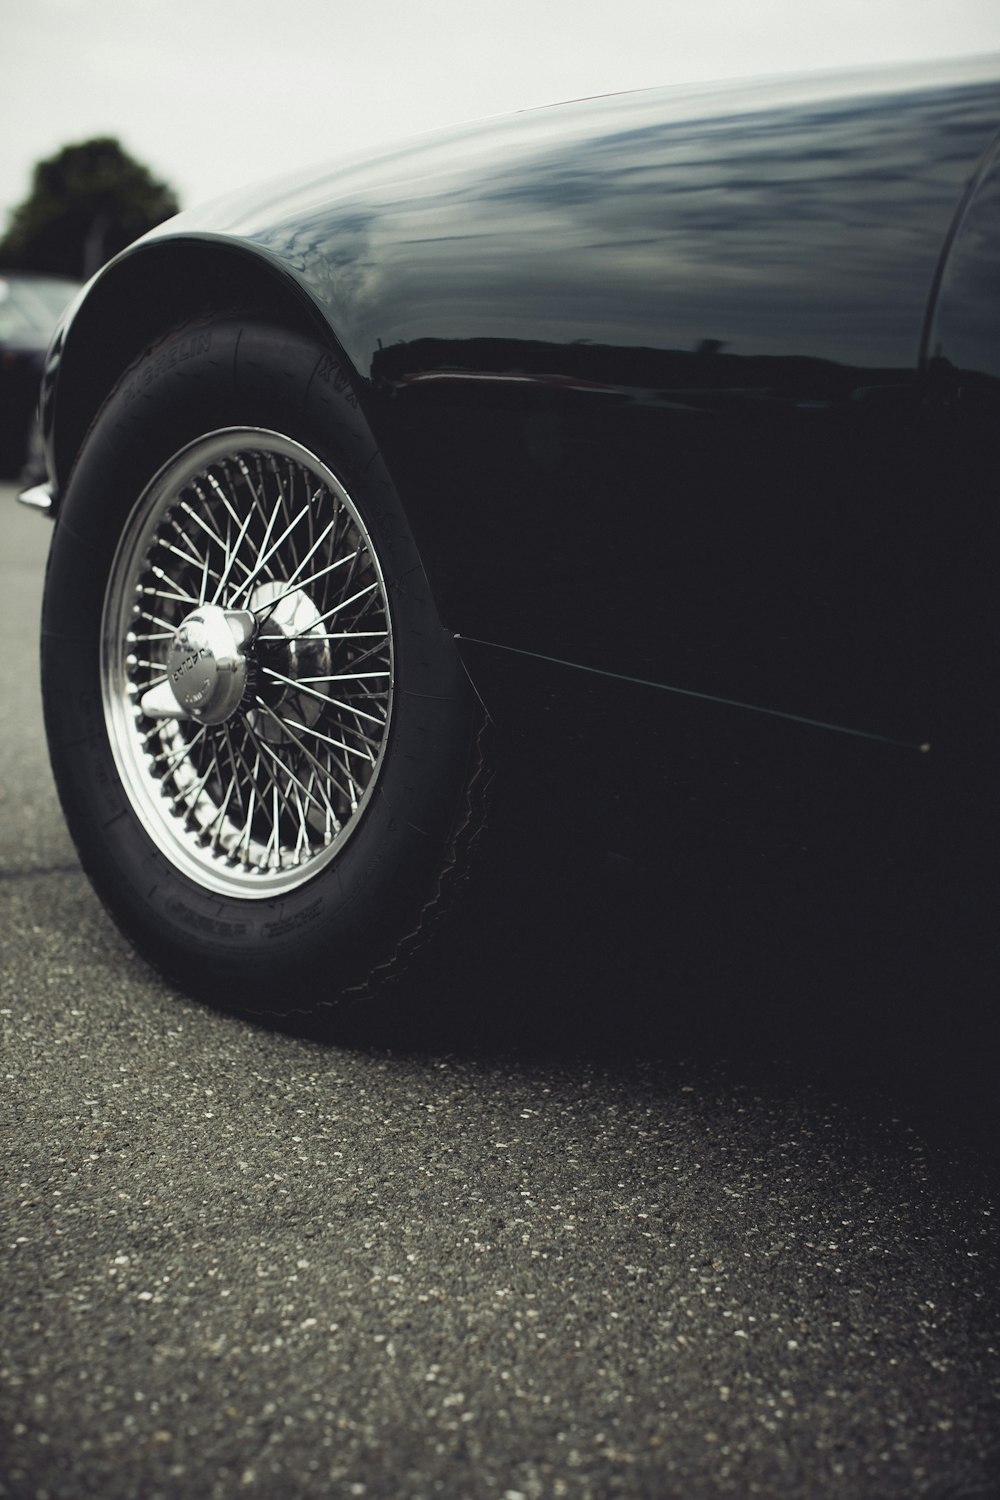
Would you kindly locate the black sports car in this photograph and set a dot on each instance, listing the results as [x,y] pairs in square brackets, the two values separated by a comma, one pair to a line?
[689,396]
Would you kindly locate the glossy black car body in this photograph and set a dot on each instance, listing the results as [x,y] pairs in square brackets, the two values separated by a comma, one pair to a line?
[697,389]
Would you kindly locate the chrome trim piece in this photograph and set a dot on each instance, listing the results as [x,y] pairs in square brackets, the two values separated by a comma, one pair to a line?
[37,497]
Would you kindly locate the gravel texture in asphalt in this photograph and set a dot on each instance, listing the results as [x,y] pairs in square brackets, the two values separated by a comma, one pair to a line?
[245,1263]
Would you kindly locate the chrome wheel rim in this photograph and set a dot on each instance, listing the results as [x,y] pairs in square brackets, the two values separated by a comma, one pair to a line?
[247,663]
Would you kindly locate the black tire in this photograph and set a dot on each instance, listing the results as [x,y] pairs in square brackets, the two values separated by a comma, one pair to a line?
[349,786]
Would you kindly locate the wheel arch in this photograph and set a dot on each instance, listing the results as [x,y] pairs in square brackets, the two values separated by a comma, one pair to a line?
[961,325]
[141,296]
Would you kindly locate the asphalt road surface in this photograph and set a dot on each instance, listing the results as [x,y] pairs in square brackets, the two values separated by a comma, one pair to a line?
[473,1249]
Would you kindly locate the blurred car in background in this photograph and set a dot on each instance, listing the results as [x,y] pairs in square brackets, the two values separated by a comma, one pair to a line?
[30,307]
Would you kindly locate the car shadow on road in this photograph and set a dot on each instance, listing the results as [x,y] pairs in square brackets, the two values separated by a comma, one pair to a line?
[876,981]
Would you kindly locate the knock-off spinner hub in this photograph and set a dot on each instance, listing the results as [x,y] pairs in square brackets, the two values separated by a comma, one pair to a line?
[207,667]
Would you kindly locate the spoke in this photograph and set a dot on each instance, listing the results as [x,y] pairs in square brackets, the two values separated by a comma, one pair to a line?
[338,607]
[174,759]
[374,653]
[255,493]
[348,708]
[345,677]
[324,572]
[357,730]
[266,473]
[162,594]
[341,635]
[185,557]
[155,620]
[327,740]
[209,531]
[235,783]
[323,805]
[162,577]
[294,581]
[272,849]
[263,748]
[345,583]
[262,554]
[196,790]
[307,630]
[301,583]
[324,771]
[213,765]
[263,557]
[364,608]
[289,487]
[331,823]
[380,649]
[216,825]
[230,560]
[227,504]
[302,837]
[255,794]
[252,775]
[296,682]
[255,488]
[161,676]
[263,560]
[243,842]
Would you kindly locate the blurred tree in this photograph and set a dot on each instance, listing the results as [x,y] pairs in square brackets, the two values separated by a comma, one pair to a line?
[86,203]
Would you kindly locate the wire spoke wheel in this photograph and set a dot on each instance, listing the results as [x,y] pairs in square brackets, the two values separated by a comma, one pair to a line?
[247,663]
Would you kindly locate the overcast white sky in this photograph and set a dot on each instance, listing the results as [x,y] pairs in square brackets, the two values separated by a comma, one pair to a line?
[212,94]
